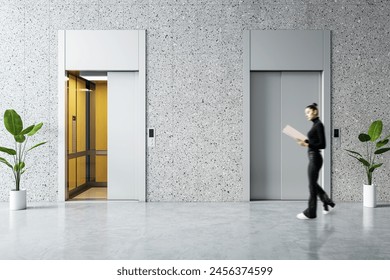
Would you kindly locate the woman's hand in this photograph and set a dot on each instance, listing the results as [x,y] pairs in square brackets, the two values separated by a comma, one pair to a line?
[302,143]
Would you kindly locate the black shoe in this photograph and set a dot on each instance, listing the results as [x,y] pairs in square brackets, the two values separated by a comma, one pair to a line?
[326,208]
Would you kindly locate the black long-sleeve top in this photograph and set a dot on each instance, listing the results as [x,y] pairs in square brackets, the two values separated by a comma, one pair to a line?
[316,136]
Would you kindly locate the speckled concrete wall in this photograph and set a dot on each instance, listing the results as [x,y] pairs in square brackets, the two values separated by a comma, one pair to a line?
[194,83]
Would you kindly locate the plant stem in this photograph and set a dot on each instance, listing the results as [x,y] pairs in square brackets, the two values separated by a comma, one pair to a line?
[15,157]
[370,178]
[18,169]
[372,154]
[24,153]
[18,181]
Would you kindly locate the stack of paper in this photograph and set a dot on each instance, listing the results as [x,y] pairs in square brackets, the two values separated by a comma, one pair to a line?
[293,133]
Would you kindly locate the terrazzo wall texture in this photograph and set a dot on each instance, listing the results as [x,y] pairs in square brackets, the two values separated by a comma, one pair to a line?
[194,84]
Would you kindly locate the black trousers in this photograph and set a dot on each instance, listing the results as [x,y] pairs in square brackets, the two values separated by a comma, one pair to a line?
[315,164]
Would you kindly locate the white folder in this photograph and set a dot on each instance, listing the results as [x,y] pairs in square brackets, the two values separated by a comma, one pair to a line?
[293,133]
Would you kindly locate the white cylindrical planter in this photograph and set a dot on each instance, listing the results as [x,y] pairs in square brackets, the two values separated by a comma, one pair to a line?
[369,195]
[17,200]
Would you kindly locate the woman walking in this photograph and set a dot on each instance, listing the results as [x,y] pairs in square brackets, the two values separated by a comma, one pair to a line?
[314,143]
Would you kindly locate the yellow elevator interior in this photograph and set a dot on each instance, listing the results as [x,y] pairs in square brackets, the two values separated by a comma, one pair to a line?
[86,138]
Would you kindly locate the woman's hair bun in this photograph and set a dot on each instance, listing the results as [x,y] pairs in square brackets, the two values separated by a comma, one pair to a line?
[313,106]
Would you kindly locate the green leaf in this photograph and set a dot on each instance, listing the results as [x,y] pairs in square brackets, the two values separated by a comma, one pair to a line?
[365,162]
[356,153]
[374,167]
[20,138]
[353,156]
[35,129]
[37,145]
[364,137]
[375,130]
[27,130]
[8,151]
[381,151]
[3,160]
[362,160]
[19,166]
[12,121]
[382,143]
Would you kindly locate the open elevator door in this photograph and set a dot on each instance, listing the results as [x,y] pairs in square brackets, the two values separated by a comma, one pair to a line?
[126,120]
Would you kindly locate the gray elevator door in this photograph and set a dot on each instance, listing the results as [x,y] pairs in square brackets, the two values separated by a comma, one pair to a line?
[278,164]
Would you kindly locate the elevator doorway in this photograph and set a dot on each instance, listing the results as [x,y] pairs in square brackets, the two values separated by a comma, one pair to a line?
[87,136]
[283,72]
[278,164]
[121,54]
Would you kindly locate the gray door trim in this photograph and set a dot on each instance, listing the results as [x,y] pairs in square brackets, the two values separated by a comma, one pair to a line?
[247,112]
[325,109]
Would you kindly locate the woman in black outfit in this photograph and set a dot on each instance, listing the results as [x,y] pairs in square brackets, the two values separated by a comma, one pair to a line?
[315,142]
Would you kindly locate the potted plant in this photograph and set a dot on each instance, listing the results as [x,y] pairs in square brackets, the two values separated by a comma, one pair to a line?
[14,125]
[373,147]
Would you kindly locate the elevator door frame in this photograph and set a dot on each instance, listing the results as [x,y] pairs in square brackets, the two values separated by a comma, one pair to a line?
[287,50]
[100,50]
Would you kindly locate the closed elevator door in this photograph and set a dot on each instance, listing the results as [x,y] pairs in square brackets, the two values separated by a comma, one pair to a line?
[278,164]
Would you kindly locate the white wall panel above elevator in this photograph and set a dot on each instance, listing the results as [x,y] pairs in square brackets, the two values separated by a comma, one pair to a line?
[89,49]
[295,50]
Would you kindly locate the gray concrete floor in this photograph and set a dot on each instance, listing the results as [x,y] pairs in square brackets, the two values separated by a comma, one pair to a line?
[131,230]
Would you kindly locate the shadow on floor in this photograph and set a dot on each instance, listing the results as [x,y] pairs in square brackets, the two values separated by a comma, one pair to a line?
[41,207]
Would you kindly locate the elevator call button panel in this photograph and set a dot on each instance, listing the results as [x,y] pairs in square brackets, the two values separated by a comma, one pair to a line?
[151,137]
